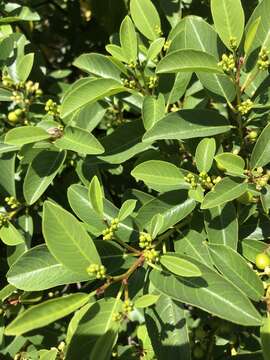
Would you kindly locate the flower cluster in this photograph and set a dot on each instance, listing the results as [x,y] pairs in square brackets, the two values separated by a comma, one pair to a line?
[128,306]
[3,219]
[245,106]
[205,180]
[108,233]
[12,202]
[227,63]
[263,60]
[130,84]
[152,82]
[151,255]
[98,270]
[145,240]
[52,108]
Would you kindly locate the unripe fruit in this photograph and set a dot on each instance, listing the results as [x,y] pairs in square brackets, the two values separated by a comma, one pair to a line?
[198,352]
[253,135]
[262,261]
[18,112]
[12,117]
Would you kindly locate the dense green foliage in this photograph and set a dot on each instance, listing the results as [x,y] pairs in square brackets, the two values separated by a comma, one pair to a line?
[135,180]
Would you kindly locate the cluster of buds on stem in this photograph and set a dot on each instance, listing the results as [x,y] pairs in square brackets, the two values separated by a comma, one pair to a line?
[98,271]
[12,202]
[33,88]
[130,84]
[151,255]
[145,241]
[128,306]
[3,219]
[7,81]
[158,30]
[167,45]
[263,60]
[108,233]
[227,63]
[52,108]
[152,82]
[117,316]
[233,43]
[207,182]
[245,107]
[259,178]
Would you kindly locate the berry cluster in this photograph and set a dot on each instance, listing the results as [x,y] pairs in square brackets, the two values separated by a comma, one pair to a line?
[227,63]
[245,106]
[108,233]
[12,202]
[52,108]
[145,241]
[98,270]
[263,60]
[151,255]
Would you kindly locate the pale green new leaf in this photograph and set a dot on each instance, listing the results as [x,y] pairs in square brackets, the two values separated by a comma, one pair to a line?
[251,33]
[211,292]
[96,196]
[205,153]
[226,190]
[233,164]
[80,141]
[67,239]
[235,268]
[261,152]
[179,266]
[41,173]
[155,48]
[229,20]
[128,39]
[188,60]
[10,235]
[40,315]
[146,301]
[126,209]
[146,18]
[156,225]
[26,135]
[153,110]
[24,66]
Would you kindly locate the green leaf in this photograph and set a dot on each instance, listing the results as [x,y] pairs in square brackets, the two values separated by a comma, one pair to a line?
[80,141]
[229,20]
[155,48]
[160,175]
[233,164]
[261,152]
[188,124]
[193,243]
[48,354]
[156,224]
[10,235]
[73,324]
[146,18]
[153,110]
[179,266]
[116,51]
[166,323]
[145,301]
[251,248]
[235,268]
[98,65]
[173,206]
[95,323]
[124,143]
[265,338]
[38,270]
[211,292]
[96,196]
[24,66]
[188,60]
[5,95]
[67,239]
[45,313]
[222,225]
[41,173]
[26,135]
[126,209]
[128,39]
[251,34]
[226,190]
[7,174]
[205,153]
[21,13]
[5,148]
[89,91]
